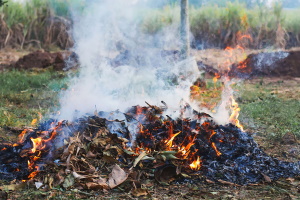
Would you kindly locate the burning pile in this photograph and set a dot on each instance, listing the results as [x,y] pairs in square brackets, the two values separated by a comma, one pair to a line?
[104,150]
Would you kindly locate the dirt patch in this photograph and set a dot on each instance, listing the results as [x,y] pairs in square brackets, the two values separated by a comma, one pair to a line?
[249,63]
[273,64]
[41,59]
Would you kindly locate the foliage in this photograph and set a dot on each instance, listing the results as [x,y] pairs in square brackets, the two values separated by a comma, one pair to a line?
[2,2]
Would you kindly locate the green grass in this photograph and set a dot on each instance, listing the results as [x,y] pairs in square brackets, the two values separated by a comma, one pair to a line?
[24,94]
[265,112]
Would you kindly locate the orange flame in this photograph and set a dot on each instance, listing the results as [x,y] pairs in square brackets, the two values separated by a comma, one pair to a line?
[33,122]
[215,148]
[235,114]
[215,79]
[37,144]
[185,150]
[170,141]
[196,164]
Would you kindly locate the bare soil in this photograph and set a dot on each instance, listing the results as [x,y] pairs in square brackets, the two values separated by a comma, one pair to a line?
[250,63]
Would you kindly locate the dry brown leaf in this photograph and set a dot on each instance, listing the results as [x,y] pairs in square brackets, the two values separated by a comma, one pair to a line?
[90,155]
[209,181]
[117,176]
[102,182]
[227,182]
[139,192]
[93,186]
[78,176]
[267,178]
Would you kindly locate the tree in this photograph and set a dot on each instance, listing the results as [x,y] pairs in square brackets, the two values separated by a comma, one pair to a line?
[184,29]
[2,2]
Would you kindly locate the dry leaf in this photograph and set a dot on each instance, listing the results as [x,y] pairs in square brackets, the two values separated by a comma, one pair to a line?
[13,187]
[139,192]
[137,160]
[90,155]
[93,186]
[78,176]
[102,182]
[117,176]
[267,178]
[209,181]
[227,182]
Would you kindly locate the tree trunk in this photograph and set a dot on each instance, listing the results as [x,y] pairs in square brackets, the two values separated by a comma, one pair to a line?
[184,29]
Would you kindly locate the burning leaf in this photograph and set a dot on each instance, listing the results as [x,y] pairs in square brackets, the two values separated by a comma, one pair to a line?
[117,176]
[196,164]
[34,121]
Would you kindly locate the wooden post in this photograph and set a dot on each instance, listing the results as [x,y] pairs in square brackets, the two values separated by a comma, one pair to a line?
[184,29]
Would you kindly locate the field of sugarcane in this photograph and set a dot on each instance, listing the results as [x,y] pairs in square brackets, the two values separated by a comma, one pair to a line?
[35,24]
[213,26]
[47,24]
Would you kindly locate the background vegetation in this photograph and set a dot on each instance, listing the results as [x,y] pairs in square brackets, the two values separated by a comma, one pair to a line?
[220,26]
[47,23]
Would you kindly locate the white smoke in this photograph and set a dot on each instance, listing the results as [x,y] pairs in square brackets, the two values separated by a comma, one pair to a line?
[146,75]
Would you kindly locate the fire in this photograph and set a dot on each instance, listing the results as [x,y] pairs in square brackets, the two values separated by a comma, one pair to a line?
[22,135]
[33,122]
[229,51]
[170,141]
[215,148]
[235,114]
[37,144]
[215,79]
[196,164]
[184,150]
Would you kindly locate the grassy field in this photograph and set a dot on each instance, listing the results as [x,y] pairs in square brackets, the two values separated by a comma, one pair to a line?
[271,107]
[25,94]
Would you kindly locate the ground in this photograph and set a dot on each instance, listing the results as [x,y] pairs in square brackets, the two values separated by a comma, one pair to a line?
[270,110]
